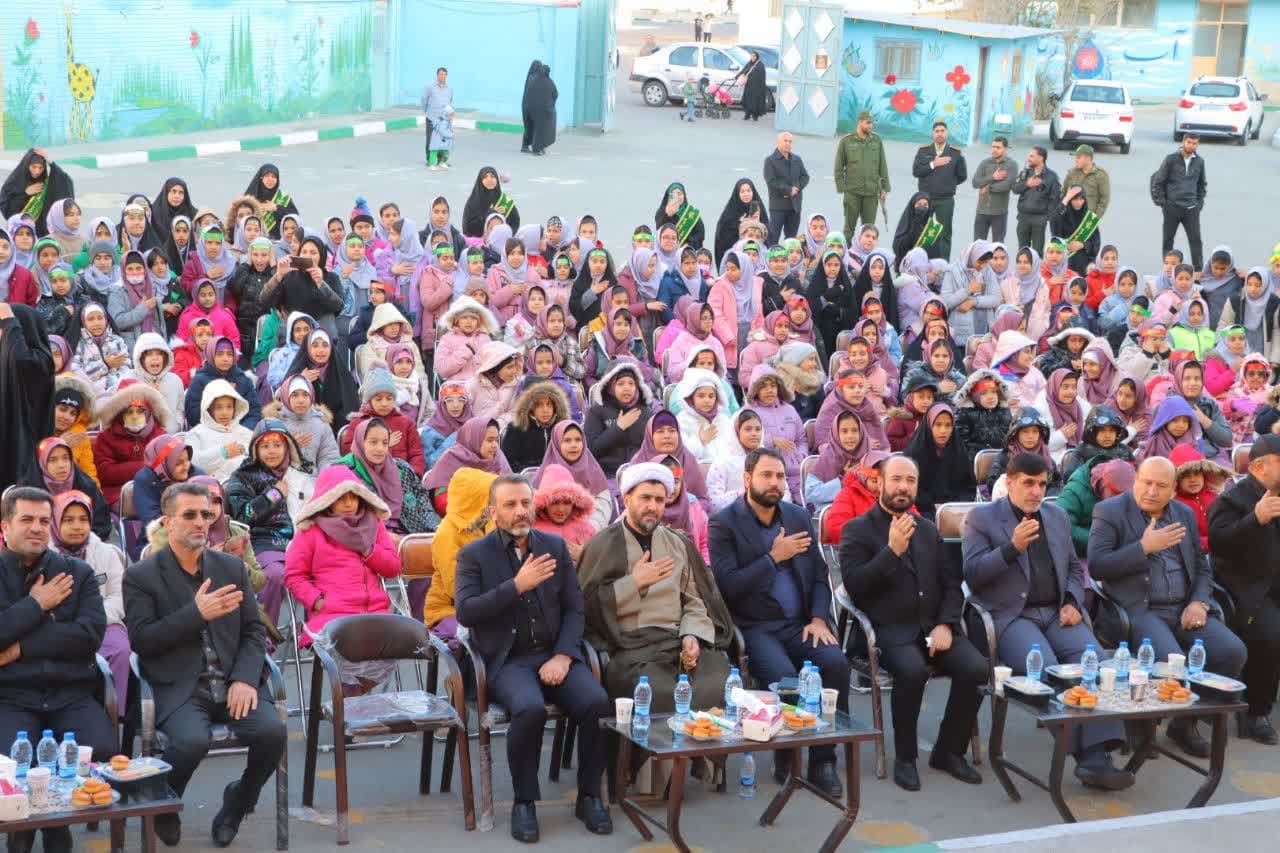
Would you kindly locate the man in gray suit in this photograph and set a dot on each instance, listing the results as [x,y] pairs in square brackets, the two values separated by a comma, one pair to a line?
[1022,567]
[1140,549]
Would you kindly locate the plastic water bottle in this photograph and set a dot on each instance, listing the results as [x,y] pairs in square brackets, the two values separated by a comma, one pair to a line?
[747,777]
[1147,656]
[1122,662]
[734,680]
[68,756]
[643,698]
[47,752]
[1195,658]
[1035,662]
[1089,668]
[813,690]
[21,752]
[683,696]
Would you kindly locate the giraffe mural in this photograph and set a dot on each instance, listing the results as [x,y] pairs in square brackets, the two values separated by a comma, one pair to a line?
[83,85]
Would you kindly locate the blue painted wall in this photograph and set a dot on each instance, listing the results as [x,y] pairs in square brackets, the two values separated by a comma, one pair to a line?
[487,46]
[1262,47]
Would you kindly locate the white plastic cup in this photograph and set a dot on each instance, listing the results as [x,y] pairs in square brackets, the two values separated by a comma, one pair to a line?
[1137,685]
[1177,663]
[622,710]
[38,787]
[1107,678]
[830,696]
[84,761]
[1002,674]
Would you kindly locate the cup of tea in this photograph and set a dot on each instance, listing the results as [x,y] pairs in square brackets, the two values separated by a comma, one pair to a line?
[622,710]
[1137,685]
[38,779]
[830,696]
[1107,678]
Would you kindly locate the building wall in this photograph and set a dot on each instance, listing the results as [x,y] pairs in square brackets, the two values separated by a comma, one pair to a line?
[1262,47]
[111,69]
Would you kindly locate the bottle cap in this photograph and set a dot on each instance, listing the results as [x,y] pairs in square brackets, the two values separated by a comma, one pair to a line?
[644,679]
[68,735]
[47,733]
[733,671]
[1035,646]
[684,677]
[21,735]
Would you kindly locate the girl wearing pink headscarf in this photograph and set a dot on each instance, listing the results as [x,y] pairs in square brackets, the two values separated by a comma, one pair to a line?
[1065,410]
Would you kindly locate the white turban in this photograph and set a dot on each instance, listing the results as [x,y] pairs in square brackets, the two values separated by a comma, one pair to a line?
[646,472]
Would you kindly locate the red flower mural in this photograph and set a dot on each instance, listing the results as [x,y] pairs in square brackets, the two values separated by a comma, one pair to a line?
[890,80]
[958,78]
[32,31]
[904,100]
[194,38]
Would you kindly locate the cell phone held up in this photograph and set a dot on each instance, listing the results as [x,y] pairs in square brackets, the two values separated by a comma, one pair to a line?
[300,263]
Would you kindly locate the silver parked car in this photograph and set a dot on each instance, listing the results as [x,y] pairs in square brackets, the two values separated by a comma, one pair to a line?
[661,74]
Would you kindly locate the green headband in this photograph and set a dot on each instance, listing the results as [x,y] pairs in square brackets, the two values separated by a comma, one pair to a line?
[353,238]
[1234,330]
[1059,242]
[749,245]
[212,235]
[831,253]
[640,235]
[442,249]
[1145,312]
[260,243]
[597,253]
[835,238]
[777,252]
[58,272]
[564,259]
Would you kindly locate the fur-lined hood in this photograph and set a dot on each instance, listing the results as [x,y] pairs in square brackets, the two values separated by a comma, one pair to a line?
[462,305]
[1273,397]
[118,402]
[558,485]
[759,375]
[1080,331]
[522,410]
[1188,460]
[230,224]
[334,482]
[699,377]
[276,409]
[596,396]
[964,398]
[89,411]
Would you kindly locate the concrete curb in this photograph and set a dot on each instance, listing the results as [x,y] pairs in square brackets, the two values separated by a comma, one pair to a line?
[259,143]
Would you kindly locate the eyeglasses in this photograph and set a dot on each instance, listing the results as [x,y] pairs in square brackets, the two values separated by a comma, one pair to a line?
[193,514]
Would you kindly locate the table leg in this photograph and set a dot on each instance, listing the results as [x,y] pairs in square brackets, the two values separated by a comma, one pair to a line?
[675,799]
[995,746]
[117,836]
[624,787]
[1061,737]
[1144,748]
[1217,759]
[780,799]
[149,834]
[852,781]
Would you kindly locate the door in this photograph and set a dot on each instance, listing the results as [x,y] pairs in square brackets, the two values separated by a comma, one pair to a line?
[979,99]
[610,94]
[721,69]
[1217,48]
[682,63]
[809,55]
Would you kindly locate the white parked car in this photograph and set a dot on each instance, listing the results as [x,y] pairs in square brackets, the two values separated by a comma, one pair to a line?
[1220,106]
[1095,111]
[662,74]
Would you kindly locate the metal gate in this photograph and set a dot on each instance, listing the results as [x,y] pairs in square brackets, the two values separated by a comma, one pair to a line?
[808,99]
[597,63]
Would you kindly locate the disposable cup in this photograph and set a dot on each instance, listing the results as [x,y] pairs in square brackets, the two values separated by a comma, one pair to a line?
[622,710]
[829,698]
[1107,678]
[1002,674]
[38,787]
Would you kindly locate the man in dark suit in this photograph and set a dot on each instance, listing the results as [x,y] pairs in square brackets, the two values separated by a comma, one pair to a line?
[1021,566]
[193,622]
[896,570]
[940,168]
[1140,549]
[771,573]
[517,593]
[51,624]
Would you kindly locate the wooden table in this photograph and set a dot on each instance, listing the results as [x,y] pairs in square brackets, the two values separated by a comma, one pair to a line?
[1060,719]
[148,810]
[662,743]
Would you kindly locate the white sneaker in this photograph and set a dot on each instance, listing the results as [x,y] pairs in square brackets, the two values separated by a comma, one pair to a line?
[435,168]
[445,165]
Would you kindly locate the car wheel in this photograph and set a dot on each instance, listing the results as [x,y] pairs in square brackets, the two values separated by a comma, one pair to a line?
[1258,131]
[655,94]
[1243,139]
[1177,137]
[1053,136]
[1124,147]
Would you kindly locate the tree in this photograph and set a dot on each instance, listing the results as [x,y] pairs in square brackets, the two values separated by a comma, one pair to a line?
[1073,18]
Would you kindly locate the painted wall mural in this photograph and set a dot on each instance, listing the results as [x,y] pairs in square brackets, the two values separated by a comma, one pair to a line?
[1151,62]
[206,64]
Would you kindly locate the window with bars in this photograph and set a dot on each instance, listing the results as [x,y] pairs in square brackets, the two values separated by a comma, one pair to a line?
[1015,72]
[899,57]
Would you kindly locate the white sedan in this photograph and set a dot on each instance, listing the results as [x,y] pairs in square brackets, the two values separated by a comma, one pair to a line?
[1096,111]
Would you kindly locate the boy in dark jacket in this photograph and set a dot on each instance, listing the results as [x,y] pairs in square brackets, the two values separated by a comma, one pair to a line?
[982,413]
[621,404]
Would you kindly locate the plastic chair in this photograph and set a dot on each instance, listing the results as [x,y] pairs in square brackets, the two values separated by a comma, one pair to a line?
[811,433]
[842,340]
[982,464]
[806,465]
[1240,458]
[385,637]
[126,514]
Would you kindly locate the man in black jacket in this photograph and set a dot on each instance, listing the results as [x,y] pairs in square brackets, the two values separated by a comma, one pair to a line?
[51,625]
[896,571]
[193,622]
[517,593]
[1178,188]
[786,177]
[940,168]
[1244,539]
[1038,192]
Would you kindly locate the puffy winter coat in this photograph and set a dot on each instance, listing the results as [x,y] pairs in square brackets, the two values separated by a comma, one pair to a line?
[408,448]
[979,428]
[167,382]
[244,386]
[208,439]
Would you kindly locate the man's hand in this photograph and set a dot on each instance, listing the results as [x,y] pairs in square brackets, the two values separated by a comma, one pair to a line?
[901,529]
[1034,181]
[689,651]
[49,594]
[553,671]
[1159,538]
[1075,246]
[535,571]
[1267,508]
[940,161]
[999,174]
[785,547]
[819,632]
[218,602]
[1194,615]
[648,571]
[9,655]
[1068,615]
[628,419]
[1027,531]
[939,639]
[242,698]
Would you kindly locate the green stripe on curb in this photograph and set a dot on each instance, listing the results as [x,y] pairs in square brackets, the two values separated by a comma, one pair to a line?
[86,162]
[175,152]
[407,123]
[499,127]
[257,143]
[329,133]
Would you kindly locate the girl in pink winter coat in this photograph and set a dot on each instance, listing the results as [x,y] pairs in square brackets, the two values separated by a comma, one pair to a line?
[766,340]
[206,305]
[493,389]
[433,280]
[467,327]
[510,278]
[1250,393]
[724,297]
[698,320]
[563,507]
[341,551]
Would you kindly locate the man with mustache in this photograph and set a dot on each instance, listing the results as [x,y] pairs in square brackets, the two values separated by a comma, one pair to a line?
[771,572]
[517,593]
[896,571]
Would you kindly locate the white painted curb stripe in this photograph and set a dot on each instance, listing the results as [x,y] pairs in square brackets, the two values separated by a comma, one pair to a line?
[299,137]
[212,149]
[459,124]
[123,158]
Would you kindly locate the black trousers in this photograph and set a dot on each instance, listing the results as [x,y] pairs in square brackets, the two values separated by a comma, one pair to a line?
[944,208]
[995,224]
[85,716]
[261,730]
[783,222]
[909,665]
[1189,219]
[518,689]
[777,652]
[1261,635]
[429,128]
[1031,231]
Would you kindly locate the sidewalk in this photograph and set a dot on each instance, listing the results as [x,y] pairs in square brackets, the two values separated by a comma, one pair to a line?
[211,143]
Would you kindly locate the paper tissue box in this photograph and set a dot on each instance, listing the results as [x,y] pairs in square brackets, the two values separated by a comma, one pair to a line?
[13,800]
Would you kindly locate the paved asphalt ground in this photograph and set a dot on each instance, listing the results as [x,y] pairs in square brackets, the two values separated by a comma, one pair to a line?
[620,178]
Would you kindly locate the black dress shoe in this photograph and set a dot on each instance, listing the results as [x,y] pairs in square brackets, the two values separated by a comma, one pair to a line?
[591,811]
[57,839]
[782,765]
[226,823]
[956,765]
[169,829]
[823,775]
[1187,736]
[524,823]
[905,775]
[1257,728]
[525,149]
[20,842]
[1094,769]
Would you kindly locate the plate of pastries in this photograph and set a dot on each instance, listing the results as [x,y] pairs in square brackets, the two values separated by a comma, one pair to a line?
[94,793]
[1173,691]
[1079,697]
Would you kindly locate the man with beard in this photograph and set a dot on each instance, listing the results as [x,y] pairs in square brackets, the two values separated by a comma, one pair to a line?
[772,574]
[896,571]
[517,593]
[651,601]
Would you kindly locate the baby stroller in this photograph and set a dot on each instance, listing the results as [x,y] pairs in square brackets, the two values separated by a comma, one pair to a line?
[714,100]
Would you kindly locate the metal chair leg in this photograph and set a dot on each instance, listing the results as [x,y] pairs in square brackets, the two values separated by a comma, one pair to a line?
[557,751]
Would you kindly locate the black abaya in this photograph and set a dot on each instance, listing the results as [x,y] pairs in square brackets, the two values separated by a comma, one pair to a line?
[732,215]
[542,109]
[755,92]
[26,393]
[526,115]
[481,202]
[13,195]
[162,213]
[910,224]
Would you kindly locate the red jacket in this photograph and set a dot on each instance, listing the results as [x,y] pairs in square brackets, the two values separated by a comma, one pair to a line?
[118,456]
[1097,280]
[22,286]
[187,359]
[409,448]
[852,501]
[902,423]
[1199,504]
